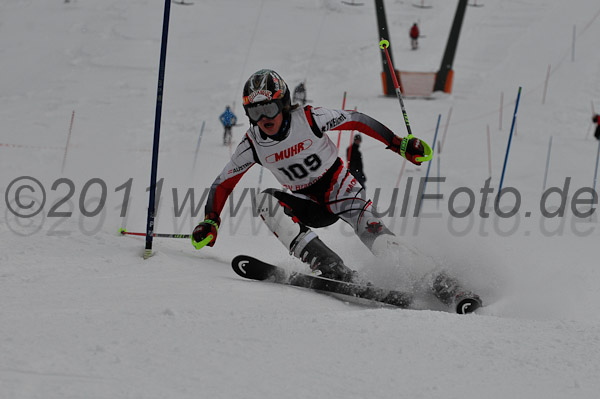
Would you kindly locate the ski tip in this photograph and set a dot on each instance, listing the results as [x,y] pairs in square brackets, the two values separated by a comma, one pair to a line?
[468,305]
[254,269]
[245,266]
[239,264]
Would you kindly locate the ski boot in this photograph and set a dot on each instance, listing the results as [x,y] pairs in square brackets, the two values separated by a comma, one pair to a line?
[448,291]
[321,259]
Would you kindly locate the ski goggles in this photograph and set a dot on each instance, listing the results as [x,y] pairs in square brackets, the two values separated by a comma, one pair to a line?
[269,110]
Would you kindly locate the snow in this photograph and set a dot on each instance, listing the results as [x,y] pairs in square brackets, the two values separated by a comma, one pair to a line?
[84,316]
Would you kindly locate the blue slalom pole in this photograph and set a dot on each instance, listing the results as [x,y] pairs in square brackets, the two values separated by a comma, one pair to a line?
[437,127]
[596,173]
[439,168]
[512,128]
[158,113]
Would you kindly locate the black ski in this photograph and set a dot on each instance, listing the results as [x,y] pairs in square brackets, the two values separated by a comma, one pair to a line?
[445,288]
[255,269]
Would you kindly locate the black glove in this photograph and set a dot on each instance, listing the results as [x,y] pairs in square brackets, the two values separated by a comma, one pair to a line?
[206,230]
[408,147]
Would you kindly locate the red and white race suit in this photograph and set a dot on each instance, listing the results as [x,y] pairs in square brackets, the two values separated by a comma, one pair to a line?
[306,162]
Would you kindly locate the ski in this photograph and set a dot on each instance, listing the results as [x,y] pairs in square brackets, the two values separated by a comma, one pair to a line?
[445,288]
[255,269]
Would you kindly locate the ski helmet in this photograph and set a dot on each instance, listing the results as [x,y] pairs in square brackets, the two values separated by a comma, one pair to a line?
[266,86]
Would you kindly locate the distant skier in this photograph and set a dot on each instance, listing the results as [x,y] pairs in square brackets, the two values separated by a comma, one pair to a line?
[355,163]
[414,36]
[290,141]
[228,119]
[596,119]
[299,95]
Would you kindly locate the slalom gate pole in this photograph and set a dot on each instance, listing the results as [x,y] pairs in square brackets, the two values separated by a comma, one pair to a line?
[441,146]
[349,154]
[124,232]
[489,147]
[596,169]
[198,146]
[547,163]
[401,173]
[439,168]
[260,178]
[157,119]
[437,127]
[340,132]
[546,85]
[595,175]
[512,128]
[62,169]
[384,44]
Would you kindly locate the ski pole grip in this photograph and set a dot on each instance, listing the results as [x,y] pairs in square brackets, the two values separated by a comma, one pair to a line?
[427,152]
[203,243]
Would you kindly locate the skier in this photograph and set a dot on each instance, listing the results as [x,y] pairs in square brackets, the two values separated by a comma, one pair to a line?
[300,95]
[355,164]
[414,35]
[290,141]
[228,119]
[596,119]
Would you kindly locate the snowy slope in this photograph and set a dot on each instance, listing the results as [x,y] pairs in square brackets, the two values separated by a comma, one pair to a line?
[83,316]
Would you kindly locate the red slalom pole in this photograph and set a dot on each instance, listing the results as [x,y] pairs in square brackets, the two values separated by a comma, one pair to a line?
[351,142]
[340,132]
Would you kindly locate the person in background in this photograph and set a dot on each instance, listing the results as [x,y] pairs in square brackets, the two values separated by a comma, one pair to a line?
[228,119]
[596,119]
[355,163]
[414,36]
[299,95]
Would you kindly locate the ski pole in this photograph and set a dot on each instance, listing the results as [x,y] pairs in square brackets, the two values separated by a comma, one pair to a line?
[165,235]
[198,245]
[384,44]
[124,232]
